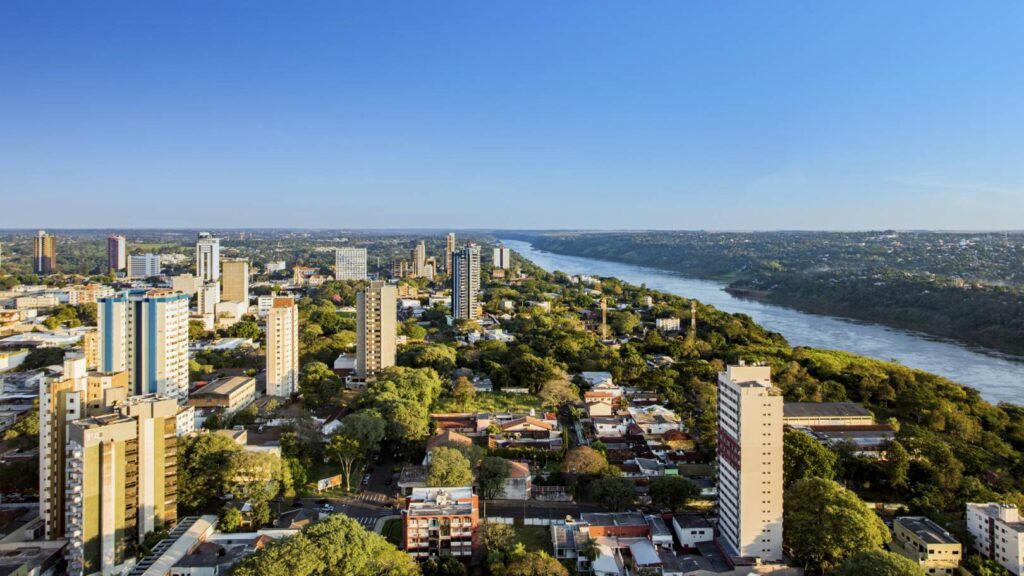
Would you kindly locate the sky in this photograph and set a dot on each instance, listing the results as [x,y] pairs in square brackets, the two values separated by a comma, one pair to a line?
[512,114]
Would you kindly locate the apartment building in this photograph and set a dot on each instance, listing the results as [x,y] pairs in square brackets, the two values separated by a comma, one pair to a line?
[466,282]
[117,253]
[143,266]
[998,534]
[235,281]
[376,326]
[44,253]
[750,463]
[208,257]
[350,263]
[926,543]
[449,252]
[441,522]
[282,348]
[502,258]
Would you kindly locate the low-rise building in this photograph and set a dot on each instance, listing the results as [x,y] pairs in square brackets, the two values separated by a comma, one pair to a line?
[441,522]
[927,544]
[667,324]
[998,534]
[228,394]
[825,414]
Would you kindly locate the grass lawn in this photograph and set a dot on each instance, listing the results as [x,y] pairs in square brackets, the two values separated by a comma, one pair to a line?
[392,530]
[490,402]
[534,538]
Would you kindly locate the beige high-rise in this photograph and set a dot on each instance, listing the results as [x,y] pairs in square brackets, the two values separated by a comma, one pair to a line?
[44,253]
[750,463]
[283,348]
[236,281]
[376,323]
[449,252]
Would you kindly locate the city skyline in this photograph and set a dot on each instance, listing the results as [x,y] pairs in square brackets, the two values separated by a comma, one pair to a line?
[566,116]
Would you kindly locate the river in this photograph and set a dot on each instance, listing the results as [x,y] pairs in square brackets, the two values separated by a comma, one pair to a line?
[999,377]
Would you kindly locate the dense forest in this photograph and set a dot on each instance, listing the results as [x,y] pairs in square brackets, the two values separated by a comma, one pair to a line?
[966,287]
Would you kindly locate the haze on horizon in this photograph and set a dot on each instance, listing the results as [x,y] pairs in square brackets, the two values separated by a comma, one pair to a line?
[514,115]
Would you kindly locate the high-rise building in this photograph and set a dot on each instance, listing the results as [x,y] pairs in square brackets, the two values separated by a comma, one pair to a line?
[121,483]
[283,348]
[997,530]
[466,282]
[61,401]
[208,297]
[145,332]
[208,257]
[44,253]
[418,257]
[449,251]
[117,253]
[750,463]
[502,258]
[376,325]
[350,263]
[236,281]
[143,266]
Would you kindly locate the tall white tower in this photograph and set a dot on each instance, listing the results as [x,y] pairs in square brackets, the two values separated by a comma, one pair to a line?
[282,348]
[208,257]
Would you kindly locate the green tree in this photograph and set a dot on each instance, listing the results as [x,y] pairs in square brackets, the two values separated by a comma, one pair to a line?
[897,464]
[449,566]
[584,461]
[345,451]
[624,323]
[491,477]
[244,329]
[437,356]
[824,524]
[463,390]
[879,563]
[672,492]
[497,539]
[318,384]
[449,467]
[558,390]
[196,330]
[230,519]
[805,457]
[615,492]
[367,428]
[203,473]
[535,564]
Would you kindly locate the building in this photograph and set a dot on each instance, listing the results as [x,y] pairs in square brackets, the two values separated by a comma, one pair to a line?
[186,284]
[749,463]
[418,258]
[926,543]
[227,394]
[236,281]
[208,257]
[145,332]
[350,263]
[44,253]
[466,282]
[144,266]
[208,298]
[121,483]
[998,534]
[376,329]
[449,252]
[283,348]
[117,253]
[667,324]
[502,258]
[32,558]
[88,293]
[441,522]
[825,414]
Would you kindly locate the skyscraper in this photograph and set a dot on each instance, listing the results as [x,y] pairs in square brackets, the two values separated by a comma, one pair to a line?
[236,281]
[502,258]
[122,482]
[44,253]
[449,251]
[418,257]
[466,282]
[350,263]
[376,319]
[143,266]
[208,257]
[208,296]
[117,253]
[750,463]
[61,401]
[282,348]
[146,333]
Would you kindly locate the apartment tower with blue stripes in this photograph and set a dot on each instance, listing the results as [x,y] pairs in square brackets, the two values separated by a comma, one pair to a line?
[145,333]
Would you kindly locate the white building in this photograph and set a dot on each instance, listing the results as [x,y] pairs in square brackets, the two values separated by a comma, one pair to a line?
[187,284]
[998,534]
[143,266]
[145,332]
[283,348]
[208,257]
[466,282]
[209,297]
[667,324]
[502,258]
[350,263]
[750,463]
[264,304]
[376,320]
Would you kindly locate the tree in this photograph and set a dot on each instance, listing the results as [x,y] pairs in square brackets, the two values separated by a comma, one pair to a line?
[318,384]
[230,519]
[446,567]
[805,457]
[463,390]
[584,461]
[367,428]
[491,476]
[196,330]
[497,538]
[203,473]
[258,476]
[535,564]
[615,492]
[558,390]
[244,329]
[672,492]
[897,464]
[624,323]
[879,563]
[824,524]
[345,451]
[449,467]
[437,356]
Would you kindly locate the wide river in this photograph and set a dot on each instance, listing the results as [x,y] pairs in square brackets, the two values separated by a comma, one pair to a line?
[997,376]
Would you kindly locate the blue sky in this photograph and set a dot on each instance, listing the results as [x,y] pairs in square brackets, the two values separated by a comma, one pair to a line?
[568,114]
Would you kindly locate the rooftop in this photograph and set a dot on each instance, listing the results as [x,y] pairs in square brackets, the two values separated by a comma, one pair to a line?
[926,530]
[823,410]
